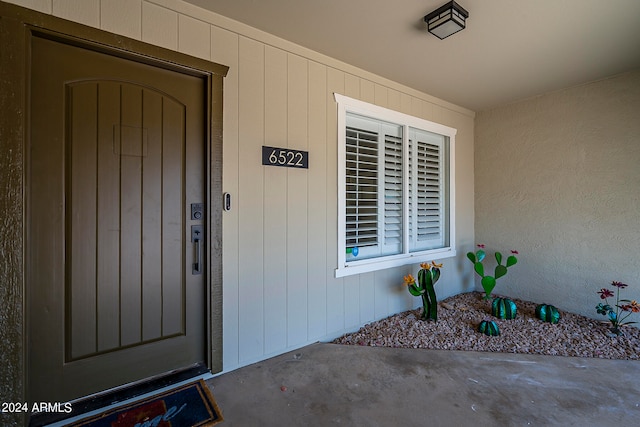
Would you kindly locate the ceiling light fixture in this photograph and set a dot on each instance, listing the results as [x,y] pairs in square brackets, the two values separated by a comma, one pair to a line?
[446,20]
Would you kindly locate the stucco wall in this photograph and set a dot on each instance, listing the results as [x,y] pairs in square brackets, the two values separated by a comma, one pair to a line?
[280,238]
[558,179]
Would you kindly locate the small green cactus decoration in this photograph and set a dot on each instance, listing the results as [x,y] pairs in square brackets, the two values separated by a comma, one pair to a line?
[489,327]
[548,313]
[427,278]
[504,308]
[489,282]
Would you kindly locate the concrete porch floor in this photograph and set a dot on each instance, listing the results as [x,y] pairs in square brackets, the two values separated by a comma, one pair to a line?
[329,384]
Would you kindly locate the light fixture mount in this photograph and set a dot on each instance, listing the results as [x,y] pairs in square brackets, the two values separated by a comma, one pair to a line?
[446,20]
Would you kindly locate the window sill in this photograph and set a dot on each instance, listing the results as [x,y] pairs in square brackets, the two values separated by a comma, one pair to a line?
[375,264]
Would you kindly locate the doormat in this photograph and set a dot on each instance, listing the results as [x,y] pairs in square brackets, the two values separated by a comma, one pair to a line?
[189,405]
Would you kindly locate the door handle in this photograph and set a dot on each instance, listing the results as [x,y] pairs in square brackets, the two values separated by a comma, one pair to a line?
[196,237]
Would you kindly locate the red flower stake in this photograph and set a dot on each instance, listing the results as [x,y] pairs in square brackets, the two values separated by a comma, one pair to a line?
[618,315]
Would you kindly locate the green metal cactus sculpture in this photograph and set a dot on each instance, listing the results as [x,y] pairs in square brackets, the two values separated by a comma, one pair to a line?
[504,308]
[489,327]
[548,313]
[489,282]
[427,278]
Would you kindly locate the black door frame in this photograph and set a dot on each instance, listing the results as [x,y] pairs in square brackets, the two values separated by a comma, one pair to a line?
[17,26]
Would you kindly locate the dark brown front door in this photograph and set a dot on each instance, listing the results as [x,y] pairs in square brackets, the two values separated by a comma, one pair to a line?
[116,158]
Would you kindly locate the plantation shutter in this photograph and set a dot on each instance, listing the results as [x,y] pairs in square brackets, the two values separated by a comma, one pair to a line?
[393,193]
[426,190]
[362,188]
[373,222]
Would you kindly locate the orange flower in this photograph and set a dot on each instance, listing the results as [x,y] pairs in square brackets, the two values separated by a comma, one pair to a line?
[409,280]
[425,266]
[436,265]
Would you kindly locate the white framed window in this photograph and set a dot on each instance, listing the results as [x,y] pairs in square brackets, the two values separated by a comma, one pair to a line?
[396,188]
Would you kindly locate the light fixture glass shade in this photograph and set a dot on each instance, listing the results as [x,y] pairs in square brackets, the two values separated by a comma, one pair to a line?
[446,20]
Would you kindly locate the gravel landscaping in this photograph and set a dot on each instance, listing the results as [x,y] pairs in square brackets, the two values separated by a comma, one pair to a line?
[458,319]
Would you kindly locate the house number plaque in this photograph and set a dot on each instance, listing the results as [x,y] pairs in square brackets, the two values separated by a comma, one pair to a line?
[272,156]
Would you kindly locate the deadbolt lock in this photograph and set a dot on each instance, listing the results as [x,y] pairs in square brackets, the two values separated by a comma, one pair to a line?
[197,212]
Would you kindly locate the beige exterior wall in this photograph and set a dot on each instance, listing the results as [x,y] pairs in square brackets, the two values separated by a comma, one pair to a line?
[558,178]
[280,238]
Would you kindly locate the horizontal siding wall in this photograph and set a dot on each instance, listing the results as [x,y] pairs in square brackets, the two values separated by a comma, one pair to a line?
[280,238]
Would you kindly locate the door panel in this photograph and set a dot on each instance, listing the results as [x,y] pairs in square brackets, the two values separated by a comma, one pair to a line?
[116,159]
[125,237]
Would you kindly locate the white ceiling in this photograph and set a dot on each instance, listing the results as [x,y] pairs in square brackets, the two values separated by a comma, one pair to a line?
[510,50]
